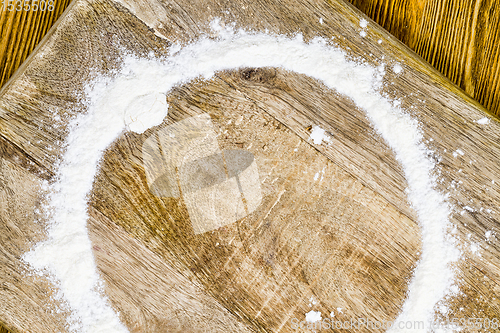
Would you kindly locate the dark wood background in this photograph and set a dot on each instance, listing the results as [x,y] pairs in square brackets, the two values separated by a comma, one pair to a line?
[461,38]
[20,33]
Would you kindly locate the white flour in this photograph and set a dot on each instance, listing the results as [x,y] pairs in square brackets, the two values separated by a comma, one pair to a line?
[313,316]
[318,135]
[135,100]
[483,121]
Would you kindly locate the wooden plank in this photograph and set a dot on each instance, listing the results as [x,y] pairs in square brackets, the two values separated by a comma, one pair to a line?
[21,30]
[459,38]
[308,238]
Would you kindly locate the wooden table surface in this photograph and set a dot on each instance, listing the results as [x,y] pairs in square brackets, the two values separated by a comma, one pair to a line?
[163,278]
[461,38]
[22,28]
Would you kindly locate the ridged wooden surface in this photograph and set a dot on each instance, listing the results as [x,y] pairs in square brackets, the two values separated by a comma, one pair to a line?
[350,240]
[20,33]
[461,38]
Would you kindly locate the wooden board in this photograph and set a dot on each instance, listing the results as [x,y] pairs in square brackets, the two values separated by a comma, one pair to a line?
[459,38]
[350,240]
[22,28]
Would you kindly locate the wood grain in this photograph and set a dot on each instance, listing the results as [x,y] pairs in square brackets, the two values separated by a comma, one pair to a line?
[300,243]
[350,240]
[459,38]
[21,31]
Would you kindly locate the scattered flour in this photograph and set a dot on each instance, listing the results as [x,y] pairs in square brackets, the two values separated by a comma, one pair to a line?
[313,316]
[483,121]
[458,152]
[474,248]
[470,209]
[397,68]
[320,173]
[134,100]
[318,135]
[363,24]
[443,309]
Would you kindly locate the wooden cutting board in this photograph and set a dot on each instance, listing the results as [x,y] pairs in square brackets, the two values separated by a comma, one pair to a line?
[350,240]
